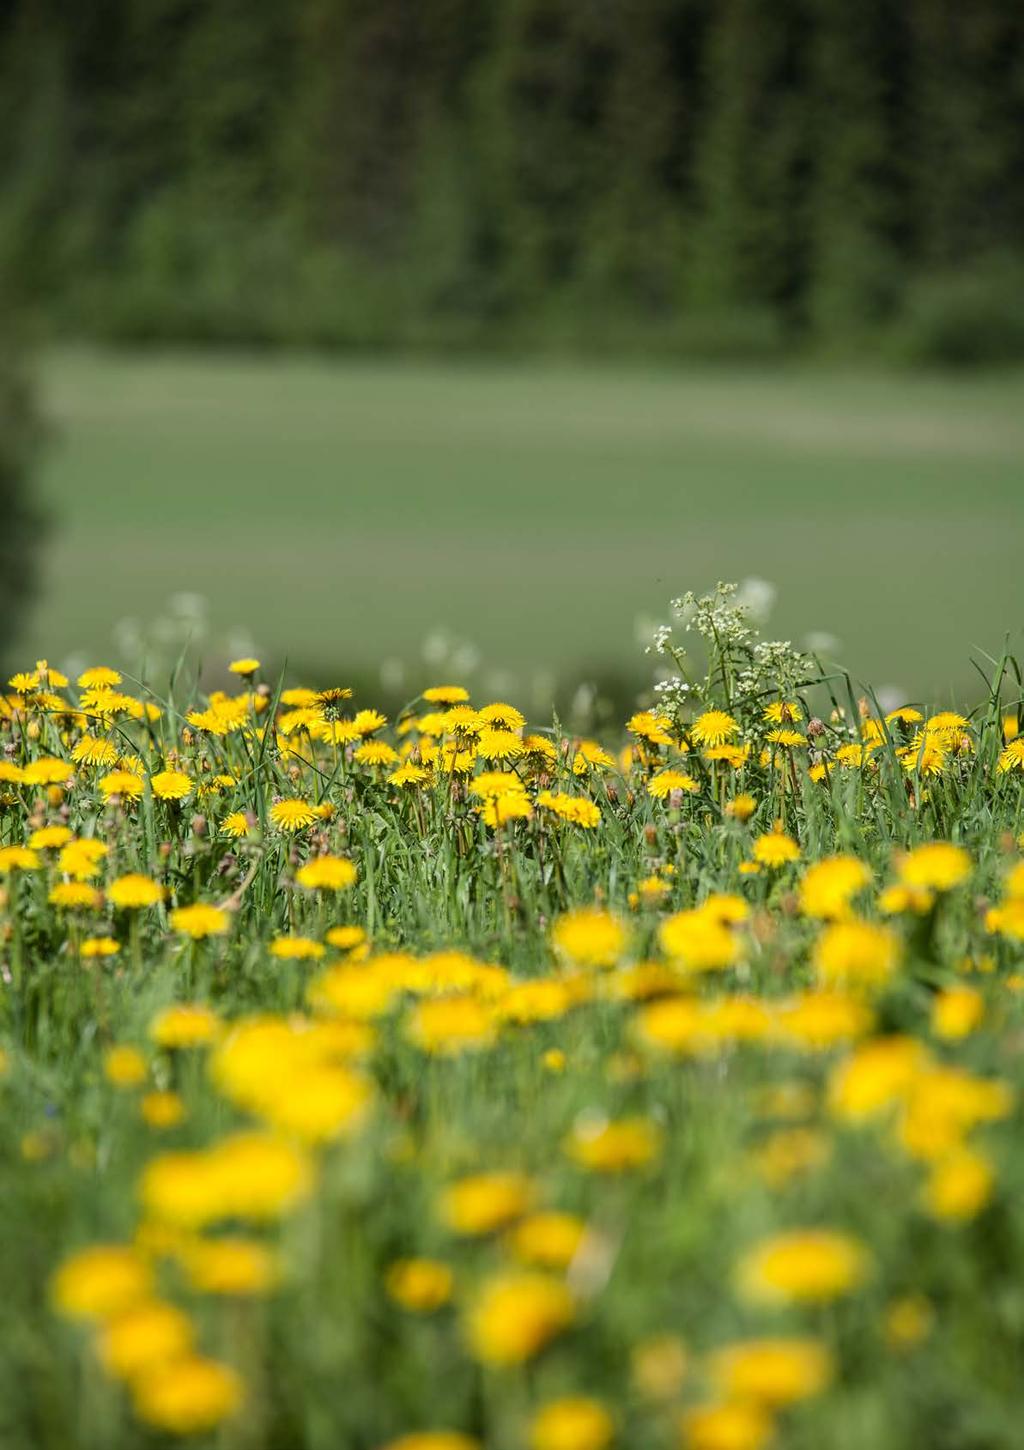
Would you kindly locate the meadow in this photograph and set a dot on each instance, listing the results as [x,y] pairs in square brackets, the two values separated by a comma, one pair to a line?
[446,1081]
[338,510]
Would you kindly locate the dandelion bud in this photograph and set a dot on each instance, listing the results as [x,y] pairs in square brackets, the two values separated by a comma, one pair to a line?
[612,792]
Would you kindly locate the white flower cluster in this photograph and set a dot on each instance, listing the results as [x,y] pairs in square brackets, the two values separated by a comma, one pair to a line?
[727,621]
[721,617]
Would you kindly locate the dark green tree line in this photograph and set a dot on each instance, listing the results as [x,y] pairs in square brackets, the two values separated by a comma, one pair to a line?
[683,173]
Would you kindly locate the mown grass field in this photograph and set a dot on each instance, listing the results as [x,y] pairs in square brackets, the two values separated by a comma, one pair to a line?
[339,510]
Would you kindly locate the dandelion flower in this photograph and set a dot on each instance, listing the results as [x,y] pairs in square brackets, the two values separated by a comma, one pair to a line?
[134,891]
[18,858]
[714,727]
[771,1372]
[666,781]
[936,866]
[185,1024]
[144,1336]
[572,1423]
[326,873]
[589,937]
[515,1315]
[200,920]
[419,1285]
[171,785]
[292,815]
[100,1281]
[187,1395]
[803,1266]
[775,849]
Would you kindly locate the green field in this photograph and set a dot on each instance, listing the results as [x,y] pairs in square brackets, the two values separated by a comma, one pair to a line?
[339,510]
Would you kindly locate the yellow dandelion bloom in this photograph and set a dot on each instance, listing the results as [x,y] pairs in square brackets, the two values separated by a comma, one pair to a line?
[731,1425]
[666,781]
[74,896]
[515,1315]
[162,1109]
[188,1395]
[124,1066]
[614,1147]
[80,859]
[345,937]
[49,838]
[326,873]
[47,770]
[856,953]
[741,807]
[828,886]
[99,677]
[230,1266]
[134,891]
[18,858]
[651,726]
[420,1285]
[775,849]
[959,1186]
[101,1281]
[143,1337]
[589,937]
[547,1240]
[714,727]
[185,1024]
[122,783]
[957,1012]
[446,695]
[296,949]
[936,866]
[200,920]
[572,1423]
[98,946]
[451,1025]
[171,785]
[486,1202]
[292,815]
[803,1266]
[771,1372]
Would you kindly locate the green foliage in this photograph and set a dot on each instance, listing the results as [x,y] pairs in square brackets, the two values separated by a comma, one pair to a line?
[966,317]
[675,173]
[20,522]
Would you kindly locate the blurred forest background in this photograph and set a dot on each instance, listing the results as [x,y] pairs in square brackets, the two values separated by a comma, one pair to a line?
[694,176]
[741,271]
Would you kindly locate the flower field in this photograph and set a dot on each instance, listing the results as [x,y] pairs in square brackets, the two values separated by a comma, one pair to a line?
[448,1081]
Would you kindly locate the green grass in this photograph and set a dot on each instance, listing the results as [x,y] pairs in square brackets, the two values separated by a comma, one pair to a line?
[340,510]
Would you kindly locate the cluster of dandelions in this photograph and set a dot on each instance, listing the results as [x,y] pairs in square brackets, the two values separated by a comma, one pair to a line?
[651,1086]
